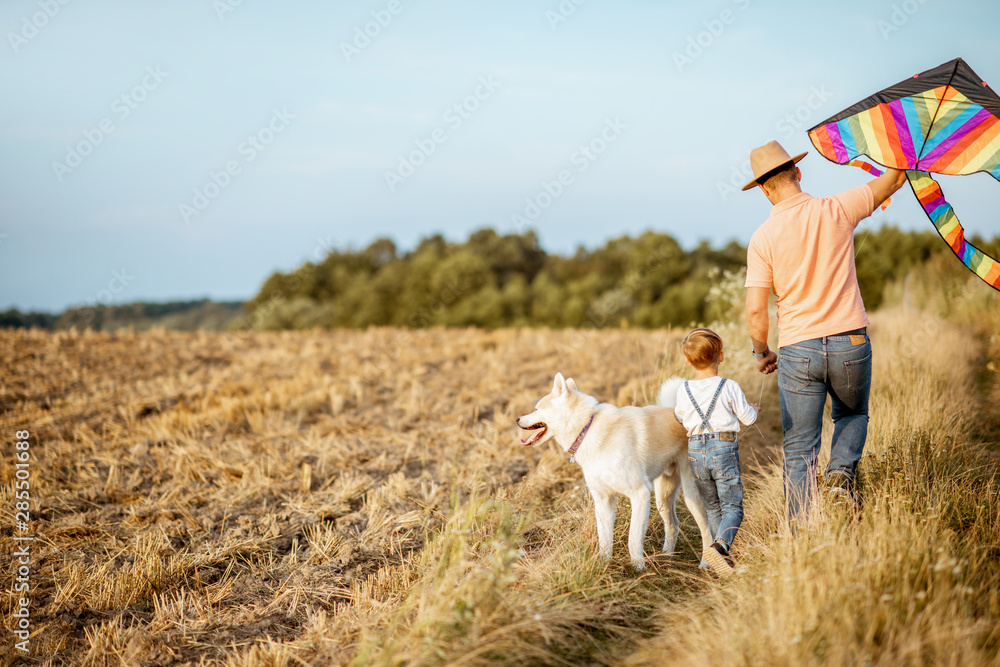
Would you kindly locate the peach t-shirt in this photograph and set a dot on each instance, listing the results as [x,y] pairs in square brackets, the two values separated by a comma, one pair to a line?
[805,252]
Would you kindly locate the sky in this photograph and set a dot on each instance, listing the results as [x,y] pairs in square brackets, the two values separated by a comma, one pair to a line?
[155,150]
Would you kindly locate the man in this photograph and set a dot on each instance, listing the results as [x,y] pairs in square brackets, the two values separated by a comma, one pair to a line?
[805,252]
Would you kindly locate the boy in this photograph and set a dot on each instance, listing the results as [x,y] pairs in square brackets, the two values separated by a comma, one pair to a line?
[711,409]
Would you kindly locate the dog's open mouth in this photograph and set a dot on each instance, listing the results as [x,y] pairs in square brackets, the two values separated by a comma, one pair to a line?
[539,431]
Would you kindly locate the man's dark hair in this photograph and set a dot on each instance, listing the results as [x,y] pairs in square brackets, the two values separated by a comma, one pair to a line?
[776,177]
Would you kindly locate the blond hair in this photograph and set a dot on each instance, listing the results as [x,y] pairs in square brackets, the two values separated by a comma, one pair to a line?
[702,348]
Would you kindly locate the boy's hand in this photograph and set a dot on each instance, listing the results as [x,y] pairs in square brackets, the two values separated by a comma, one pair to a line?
[756,408]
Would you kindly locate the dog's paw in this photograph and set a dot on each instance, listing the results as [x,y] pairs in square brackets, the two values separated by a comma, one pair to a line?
[638,564]
[704,565]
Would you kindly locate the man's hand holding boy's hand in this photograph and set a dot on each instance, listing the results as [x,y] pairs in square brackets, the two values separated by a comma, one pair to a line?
[768,364]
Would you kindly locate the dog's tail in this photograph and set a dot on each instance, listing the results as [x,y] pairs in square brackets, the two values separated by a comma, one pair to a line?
[668,392]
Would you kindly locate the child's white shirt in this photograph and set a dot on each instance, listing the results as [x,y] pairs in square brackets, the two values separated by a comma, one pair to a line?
[731,408]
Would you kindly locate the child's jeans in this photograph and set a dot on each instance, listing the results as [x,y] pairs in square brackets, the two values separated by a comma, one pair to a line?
[715,465]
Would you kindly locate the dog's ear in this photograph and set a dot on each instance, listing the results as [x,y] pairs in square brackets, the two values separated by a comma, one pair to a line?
[571,384]
[559,385]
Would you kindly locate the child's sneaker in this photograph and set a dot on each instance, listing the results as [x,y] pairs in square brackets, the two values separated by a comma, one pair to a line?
[717,555]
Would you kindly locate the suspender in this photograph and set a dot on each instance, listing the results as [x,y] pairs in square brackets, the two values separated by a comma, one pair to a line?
[705,426]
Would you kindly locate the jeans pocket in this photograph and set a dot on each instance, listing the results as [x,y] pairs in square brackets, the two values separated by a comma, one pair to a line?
[859,372]
[726,465]
[793,372]
[695,468]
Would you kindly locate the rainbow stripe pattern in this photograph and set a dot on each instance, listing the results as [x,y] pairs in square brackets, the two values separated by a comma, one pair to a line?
[943,216]
[873,170]
[942,121]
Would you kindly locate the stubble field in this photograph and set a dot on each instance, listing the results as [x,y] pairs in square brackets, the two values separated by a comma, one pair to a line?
[313,498]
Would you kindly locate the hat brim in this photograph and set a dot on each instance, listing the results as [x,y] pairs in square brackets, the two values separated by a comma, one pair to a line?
[755,182]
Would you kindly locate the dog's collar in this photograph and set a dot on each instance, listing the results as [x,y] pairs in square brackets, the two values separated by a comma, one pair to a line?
[579,438]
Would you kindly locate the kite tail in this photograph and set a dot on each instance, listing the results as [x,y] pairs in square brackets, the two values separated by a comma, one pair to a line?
[871,169]
[943,216]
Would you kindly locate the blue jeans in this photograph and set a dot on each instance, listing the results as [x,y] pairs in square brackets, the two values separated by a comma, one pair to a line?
[840,366]
[716,469]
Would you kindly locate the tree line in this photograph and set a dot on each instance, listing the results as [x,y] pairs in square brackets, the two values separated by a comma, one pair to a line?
[494,280]
[201,314]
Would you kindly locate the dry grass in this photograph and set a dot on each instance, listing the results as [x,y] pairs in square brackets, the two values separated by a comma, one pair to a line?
[207,497]
[910,580]
[360,497]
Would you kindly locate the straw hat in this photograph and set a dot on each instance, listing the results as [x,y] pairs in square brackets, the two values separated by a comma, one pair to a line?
[768,158]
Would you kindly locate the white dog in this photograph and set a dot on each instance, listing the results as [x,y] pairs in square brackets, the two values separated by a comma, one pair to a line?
[623,451]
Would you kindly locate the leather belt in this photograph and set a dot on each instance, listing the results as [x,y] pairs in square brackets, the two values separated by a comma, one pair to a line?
[724,436]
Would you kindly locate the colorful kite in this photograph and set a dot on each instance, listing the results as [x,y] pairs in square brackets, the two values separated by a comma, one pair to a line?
[942,121]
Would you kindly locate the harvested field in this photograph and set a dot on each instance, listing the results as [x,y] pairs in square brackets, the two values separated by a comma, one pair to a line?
[328,497]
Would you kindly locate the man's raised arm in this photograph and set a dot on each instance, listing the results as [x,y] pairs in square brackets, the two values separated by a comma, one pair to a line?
[885,185]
